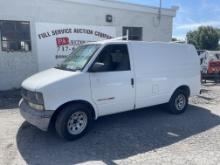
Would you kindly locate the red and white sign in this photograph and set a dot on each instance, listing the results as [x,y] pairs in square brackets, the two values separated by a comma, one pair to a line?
[63,41]
[56,41]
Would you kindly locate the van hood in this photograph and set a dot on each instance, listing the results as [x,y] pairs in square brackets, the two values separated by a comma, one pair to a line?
[45,78]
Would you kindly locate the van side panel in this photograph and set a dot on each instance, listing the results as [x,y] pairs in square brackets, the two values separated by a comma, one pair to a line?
[160,68]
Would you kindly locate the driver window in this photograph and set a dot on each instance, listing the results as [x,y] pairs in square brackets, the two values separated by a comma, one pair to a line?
[114,58]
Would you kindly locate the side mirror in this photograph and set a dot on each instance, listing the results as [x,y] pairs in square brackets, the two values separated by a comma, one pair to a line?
[97,67]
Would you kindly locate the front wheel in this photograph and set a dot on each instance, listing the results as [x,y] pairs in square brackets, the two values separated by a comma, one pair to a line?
[73,121]
[178,102]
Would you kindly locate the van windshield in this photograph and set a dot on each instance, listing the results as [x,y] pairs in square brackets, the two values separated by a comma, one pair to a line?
[79,58]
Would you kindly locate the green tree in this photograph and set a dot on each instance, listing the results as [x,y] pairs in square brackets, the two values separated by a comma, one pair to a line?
[192,38]
[218,31]
[206,37]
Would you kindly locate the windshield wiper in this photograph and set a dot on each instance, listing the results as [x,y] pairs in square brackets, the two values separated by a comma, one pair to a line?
[68,69]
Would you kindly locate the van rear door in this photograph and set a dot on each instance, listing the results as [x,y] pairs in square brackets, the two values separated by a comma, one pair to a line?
[113,86]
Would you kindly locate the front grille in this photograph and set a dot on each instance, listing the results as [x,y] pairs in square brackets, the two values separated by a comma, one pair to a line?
[24,93]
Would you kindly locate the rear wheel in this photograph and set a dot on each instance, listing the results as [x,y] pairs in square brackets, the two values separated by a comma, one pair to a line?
[73,121]
[178,102]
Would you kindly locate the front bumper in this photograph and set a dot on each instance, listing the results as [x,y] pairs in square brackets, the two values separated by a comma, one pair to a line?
[40,119]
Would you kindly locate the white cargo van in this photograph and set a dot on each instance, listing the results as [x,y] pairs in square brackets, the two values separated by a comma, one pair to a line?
[109,77]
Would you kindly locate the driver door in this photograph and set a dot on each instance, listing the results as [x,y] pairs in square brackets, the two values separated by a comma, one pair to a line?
[112,85]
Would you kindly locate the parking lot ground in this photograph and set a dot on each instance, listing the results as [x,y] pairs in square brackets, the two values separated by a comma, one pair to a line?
[147,136]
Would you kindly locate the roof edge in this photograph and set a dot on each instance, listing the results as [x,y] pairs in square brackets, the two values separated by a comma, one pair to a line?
[126,6]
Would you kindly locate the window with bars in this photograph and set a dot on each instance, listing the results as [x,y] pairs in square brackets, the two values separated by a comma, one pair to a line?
[15,35]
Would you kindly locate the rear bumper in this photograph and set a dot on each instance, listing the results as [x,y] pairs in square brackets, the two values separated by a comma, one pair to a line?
[40,119]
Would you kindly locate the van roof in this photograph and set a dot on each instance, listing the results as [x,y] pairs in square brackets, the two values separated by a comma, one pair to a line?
[129,41]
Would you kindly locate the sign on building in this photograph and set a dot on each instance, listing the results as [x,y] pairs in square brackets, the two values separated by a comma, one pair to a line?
[56,41]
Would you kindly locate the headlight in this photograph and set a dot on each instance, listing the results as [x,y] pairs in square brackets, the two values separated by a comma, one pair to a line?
[39,98]
[35,99]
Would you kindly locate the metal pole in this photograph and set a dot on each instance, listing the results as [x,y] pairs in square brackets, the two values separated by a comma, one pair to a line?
[160,10]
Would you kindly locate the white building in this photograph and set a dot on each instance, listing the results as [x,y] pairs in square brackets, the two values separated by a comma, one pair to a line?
[37,34]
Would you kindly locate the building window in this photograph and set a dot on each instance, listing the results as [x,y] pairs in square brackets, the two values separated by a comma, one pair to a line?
[15,35]
[134,33]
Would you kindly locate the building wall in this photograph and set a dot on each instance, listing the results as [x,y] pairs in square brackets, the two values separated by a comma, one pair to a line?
[16,66]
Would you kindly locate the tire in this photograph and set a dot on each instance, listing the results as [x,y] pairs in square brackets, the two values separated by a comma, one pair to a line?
[74,121]
[178,102]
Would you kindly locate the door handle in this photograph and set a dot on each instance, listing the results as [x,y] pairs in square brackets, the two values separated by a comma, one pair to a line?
[132,82]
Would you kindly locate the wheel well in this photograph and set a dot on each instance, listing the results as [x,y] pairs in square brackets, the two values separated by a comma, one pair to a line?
[53,119]
[184,88]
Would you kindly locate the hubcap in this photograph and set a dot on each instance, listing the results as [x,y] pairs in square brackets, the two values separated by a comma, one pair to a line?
[180,102]
[77,123]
